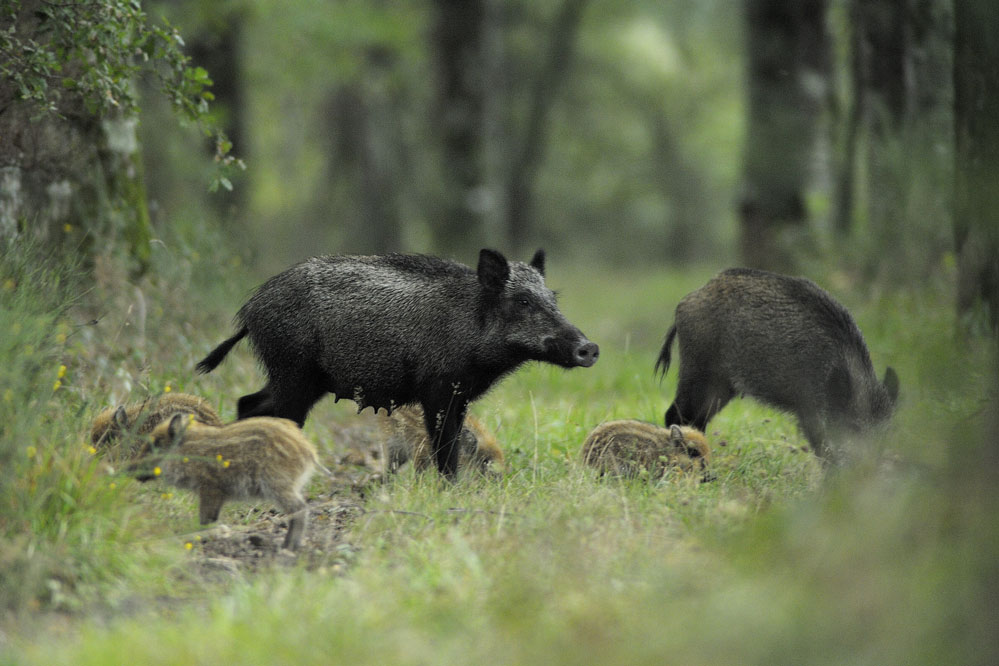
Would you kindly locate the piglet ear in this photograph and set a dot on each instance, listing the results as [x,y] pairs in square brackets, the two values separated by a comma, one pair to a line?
[675,432]
[494,271]
[121,418]
[178,424]
[538,261]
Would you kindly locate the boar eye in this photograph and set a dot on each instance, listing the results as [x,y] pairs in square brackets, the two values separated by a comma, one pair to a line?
[523,302]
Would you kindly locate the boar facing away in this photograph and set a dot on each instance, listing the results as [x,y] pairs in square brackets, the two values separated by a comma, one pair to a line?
[783,341]
[258,458]
[393,330]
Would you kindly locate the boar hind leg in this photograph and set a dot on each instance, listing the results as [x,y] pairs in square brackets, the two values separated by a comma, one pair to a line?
[293,402]
[298,519]
[210,505]
[697,402]
[255,404]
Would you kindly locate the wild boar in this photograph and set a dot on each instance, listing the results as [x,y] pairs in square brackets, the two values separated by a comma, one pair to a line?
[405,438]
[140,418]
[394,330]
[782,340]
[627,447]
[257,458]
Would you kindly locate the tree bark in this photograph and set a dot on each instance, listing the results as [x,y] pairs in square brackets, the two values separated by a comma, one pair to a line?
[69,177]
[527,160]
[458,227]
[788,71]
[976,186]
[74,181]
[362,155]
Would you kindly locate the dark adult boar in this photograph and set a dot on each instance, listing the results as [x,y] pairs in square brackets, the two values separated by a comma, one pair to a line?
[394,330]
[783,341]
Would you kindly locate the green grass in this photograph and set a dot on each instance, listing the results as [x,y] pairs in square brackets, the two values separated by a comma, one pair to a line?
[773,562]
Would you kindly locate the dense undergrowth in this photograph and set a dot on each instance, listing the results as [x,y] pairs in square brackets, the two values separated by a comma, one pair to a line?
[890,561]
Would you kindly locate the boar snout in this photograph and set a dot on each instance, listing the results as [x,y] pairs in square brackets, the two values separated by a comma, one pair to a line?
[586,354]
[571,352]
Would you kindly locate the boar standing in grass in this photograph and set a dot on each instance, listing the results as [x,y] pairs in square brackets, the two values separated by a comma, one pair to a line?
[259,458]
[627,447]
[783,341]
[140,418]
[405,438]
[394,330]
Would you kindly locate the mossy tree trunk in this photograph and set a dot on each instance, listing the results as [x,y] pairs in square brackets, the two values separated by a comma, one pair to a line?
[74,181]
[68,176]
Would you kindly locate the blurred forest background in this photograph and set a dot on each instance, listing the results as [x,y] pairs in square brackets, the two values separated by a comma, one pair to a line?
[761,132]
[158,159]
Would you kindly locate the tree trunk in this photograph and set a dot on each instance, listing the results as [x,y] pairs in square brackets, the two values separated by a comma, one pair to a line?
[67,176]
[788,72]
[458,227]
[898,133]
[362,156]
[976,187]
[524,168]
[74,181]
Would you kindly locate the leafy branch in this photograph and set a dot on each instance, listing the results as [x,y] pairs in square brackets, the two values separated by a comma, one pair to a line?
[73,57]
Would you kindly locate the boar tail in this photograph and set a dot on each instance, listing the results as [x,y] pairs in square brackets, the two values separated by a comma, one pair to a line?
[215,357]
[662,363]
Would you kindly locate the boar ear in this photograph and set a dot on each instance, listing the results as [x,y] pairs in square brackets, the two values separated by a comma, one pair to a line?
[494,271]
[891,385]
[178,424]
[538,261]
[120,418]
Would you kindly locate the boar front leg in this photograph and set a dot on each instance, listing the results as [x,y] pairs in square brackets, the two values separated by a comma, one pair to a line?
[443,429]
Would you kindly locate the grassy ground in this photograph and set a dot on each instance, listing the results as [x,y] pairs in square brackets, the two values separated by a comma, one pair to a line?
[773,562]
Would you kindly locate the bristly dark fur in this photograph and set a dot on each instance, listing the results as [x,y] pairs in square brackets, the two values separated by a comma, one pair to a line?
[782,340]
[396,329]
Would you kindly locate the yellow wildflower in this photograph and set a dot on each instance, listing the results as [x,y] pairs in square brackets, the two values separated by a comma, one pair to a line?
[225,464]
[92,450]
[166,389]
[55,387]
[31,451]
[157,471]
[167,495]
[67,227]
[188,545]
[62,372]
